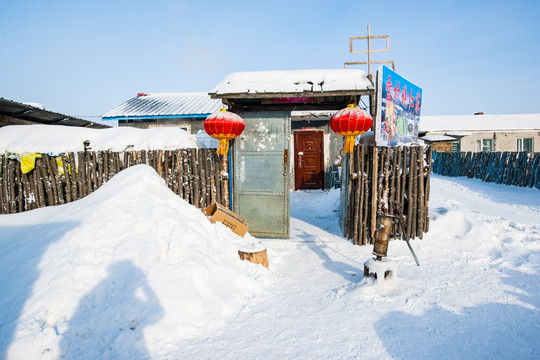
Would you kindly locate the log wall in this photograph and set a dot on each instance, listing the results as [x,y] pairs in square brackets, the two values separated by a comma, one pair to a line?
[387,180]
[508,168]
[193,174]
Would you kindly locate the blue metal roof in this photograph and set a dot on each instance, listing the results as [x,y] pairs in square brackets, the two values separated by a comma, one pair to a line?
[165,105]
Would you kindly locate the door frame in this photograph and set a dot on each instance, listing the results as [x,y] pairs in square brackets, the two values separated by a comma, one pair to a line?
[263,201]
[320,133]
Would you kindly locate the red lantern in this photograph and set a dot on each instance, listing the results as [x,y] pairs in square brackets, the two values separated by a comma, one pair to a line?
[224,126]
[350,122]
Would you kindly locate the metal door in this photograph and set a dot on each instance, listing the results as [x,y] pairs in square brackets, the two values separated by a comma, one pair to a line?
[261,173]
[308,160]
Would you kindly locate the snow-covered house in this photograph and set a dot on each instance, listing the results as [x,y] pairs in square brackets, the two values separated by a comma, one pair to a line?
[286,142]
[481,132]
[185,110]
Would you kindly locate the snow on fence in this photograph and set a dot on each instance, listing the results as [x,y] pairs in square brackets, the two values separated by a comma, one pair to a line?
[193,174]
[387,180]
[508,168]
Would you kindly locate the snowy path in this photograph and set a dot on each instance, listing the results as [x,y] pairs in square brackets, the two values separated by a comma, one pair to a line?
[475,295]
[160,281]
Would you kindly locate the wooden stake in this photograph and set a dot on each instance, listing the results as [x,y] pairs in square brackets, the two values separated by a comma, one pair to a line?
[374,173]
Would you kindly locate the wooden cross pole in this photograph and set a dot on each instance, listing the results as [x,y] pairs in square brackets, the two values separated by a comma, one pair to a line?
[370,51]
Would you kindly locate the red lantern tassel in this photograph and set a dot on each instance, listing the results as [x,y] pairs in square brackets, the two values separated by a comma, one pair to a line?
[349,144]
[223,148]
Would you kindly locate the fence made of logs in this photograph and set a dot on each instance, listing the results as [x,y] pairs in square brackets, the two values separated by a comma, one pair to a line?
[386,180]
[508,168]
[194,174]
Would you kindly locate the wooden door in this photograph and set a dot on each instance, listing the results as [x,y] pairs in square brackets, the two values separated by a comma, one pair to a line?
[261,173]
[308,160]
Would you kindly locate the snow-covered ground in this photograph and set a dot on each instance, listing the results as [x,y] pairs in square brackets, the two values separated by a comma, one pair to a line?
[134,272]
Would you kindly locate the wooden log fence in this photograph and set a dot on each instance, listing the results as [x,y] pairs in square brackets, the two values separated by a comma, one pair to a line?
[387,180]
[193,174]
[508,168]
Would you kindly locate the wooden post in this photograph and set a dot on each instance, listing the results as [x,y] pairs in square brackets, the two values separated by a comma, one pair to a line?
[374,173]
[225,180]
[42,167]
[195,179]
[19,201]
[421,197]
[427,173]
[3,199]
[214,185]
[186,176]
[72,173]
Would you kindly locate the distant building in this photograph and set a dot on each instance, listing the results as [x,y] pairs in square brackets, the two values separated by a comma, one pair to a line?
[186,110]
[481,132]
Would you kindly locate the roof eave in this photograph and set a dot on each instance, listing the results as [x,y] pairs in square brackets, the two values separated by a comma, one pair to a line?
[259,95]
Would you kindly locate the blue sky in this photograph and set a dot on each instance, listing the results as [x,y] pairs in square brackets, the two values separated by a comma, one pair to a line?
[84,58]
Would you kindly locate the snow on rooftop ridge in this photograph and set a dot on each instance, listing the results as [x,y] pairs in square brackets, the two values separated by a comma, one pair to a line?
[293,81]
[435,138]
[34,104]
[480,122]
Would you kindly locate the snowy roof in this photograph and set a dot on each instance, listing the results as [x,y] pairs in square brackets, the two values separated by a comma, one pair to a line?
[293,82]
[458,133]
[58,139]
[18,113]
[480,122]
[159,105]
[437,138]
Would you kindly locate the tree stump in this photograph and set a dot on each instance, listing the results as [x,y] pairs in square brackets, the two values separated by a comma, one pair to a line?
[256,253]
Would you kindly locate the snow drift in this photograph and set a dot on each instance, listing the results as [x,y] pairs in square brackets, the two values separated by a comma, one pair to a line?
[128,270]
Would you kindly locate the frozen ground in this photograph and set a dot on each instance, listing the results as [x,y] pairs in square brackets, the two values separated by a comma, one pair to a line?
[133,272]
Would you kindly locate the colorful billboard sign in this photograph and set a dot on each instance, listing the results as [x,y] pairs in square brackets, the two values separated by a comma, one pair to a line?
[398,109]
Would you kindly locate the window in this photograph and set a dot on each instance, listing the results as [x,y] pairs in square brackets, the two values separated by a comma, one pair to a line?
[456,146]
[525,144]
[484,145]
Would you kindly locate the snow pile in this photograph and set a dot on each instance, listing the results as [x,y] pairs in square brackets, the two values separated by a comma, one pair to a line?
[123,273]
[293,82]
[54,139]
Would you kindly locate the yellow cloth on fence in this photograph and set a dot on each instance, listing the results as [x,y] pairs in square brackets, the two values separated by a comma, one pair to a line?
[28,162]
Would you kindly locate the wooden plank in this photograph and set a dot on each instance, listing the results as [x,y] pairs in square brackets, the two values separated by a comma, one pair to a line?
[18,202]
[421,195]
[29,198]
[365,233]
[374,173]
[69,197]
[81,174]
[179,173]
[225,180]
[427,187]
[186,175]
[3,181]
[202,177]
[213,183]
[350,159]
[410,178]
[355,182]
[41,168]
[195,179]
[72,173]
[53,178]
